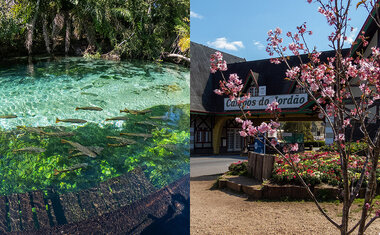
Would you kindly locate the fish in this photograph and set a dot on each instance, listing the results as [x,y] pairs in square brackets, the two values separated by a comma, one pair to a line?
[36,130]
[160,117]
[89,108]
[80,148]
[8,116]
[59,134]
[135,111]
[123,141]
[74,167]
[30,150]
[96,149]
[70,120]
[86,87]
[117,118]
[88,93]
[147,123]
[146,136]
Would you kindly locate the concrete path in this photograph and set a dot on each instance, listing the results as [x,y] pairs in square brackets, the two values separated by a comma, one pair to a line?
[211,165]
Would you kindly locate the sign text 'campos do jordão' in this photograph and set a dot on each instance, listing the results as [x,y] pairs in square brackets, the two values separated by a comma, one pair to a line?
[261,102]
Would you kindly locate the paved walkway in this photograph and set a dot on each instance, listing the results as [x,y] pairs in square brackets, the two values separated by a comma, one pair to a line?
[212,165]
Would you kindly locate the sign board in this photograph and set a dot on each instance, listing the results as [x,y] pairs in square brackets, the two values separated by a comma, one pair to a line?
[261,102]
[258,145]
[329,134]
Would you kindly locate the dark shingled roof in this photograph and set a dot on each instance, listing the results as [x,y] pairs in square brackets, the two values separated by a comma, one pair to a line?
[270,75]
[200,73]
[370,28]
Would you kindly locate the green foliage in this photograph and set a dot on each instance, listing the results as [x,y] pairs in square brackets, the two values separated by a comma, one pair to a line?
[316,143]
[238,168]
[301,128]
[165,157]
[135,29]
[358,148]
[97,55]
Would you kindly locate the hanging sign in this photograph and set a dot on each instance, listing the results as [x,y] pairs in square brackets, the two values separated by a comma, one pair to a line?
[261,102]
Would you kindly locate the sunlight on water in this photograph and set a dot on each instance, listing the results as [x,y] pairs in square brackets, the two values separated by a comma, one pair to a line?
[36,153]
[41,92]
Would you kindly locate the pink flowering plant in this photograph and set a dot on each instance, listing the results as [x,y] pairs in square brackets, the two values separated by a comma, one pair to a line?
[343,88]
[319,167]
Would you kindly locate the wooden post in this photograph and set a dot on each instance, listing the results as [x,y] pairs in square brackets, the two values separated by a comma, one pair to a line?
[260,166]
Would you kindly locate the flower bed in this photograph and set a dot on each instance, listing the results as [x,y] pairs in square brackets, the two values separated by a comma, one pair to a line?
[238,168]
[318,167]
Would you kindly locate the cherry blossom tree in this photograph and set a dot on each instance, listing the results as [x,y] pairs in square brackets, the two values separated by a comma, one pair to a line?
[343,89]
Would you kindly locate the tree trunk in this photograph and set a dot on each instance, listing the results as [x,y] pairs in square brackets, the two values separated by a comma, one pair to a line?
[46,34]
[68,33]
[30,30]
[177,56]
[371,188]
[58,23]
[90,36]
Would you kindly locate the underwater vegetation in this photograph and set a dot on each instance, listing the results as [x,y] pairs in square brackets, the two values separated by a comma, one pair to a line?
[70,158]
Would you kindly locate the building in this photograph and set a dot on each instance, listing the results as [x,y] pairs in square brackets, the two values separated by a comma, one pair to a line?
[213,126]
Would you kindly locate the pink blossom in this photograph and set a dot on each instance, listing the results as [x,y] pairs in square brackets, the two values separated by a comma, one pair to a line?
[295,158]
[367,206]
[252,131]
[218,55]
[273,142]
[275,61]
[239,120]
[346,122]
[246,124]
[340,137]
[218,92]
[294,147]
[314,87]
[243,133]
[275,124]
[277,31]
[362,87]
[263,128]
[375,51]
[293,72]
[272,107]
[222,65]
[378,213]
[272,131]
[328,92]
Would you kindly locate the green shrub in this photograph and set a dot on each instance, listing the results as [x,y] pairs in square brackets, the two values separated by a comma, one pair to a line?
[239,168]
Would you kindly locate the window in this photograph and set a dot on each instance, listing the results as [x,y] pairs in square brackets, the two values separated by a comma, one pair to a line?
[253,91]
[300,90]
[203,136]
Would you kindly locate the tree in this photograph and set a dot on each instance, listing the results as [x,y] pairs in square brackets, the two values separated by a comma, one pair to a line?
[132,29]
[331,85]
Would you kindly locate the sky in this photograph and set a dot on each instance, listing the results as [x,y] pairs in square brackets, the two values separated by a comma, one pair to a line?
[240,27]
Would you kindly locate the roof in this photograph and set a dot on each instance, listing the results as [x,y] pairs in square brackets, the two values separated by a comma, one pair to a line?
[270,75]
[369,27]
[200,73]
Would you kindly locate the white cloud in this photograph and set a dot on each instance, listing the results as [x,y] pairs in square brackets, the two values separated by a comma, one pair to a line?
[351,38]
[195,15]
[222,43]
[258,44]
